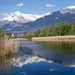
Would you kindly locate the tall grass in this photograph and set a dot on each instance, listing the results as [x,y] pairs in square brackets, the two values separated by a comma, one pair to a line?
[8,47]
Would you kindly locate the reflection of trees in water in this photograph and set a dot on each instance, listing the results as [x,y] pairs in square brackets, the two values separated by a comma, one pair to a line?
[59,52]
[8,51]
[62,52]
[5,64]
[60,45]
[7,61]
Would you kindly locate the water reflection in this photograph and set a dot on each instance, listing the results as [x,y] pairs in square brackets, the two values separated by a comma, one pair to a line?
[5,64]
[34,52]
[59,52]
[27,56]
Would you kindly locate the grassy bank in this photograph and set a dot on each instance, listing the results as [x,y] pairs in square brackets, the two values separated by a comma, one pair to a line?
[55,38]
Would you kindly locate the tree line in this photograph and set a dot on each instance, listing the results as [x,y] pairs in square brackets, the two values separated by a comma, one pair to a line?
[59,29]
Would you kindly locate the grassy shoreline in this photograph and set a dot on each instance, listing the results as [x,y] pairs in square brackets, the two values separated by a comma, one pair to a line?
[51,38]
[55,38]
[18,39]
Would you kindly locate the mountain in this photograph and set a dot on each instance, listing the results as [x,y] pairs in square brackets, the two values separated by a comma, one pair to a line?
[21,25]
[62,15]
[20,17]
[70,9]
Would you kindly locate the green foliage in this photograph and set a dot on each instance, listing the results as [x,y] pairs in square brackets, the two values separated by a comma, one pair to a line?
[1,32]
[58,29]
[37,32]
[29,35]
[15,36]
[43,33]
[25,35]
[65,29]
[73,29]
[9,34]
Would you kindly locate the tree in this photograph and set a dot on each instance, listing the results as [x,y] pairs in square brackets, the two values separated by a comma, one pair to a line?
[73,29]
[25,35]
[29,35]
[43,33]
[50,31]
[37,32]
[63,29]
[15,36]
[1,32]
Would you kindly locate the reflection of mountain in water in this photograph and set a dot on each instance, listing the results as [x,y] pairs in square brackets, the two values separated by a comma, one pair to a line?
[29,55]
[28,60]
[35,52]
[26,56]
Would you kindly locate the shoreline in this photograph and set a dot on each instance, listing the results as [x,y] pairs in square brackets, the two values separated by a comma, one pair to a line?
[55,38]
[18,39]
[50,38]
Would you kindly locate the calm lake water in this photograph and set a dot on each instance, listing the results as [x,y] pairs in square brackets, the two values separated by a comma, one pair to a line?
[41,58]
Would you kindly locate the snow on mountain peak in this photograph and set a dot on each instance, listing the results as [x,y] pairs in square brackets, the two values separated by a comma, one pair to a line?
[70,9]
[17,13]
[48,13]
[20,17]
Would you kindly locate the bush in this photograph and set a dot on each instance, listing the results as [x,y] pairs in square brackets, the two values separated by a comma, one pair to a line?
[1,32]
[29,35]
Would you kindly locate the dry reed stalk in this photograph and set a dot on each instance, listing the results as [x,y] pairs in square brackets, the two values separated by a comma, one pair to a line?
[8,46]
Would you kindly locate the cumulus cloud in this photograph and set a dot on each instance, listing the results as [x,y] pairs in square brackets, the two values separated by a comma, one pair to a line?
[50,5]
[19,5]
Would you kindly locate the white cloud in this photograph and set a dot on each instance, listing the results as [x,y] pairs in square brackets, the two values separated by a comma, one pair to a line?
[4,14]
[19,5]
[50,5]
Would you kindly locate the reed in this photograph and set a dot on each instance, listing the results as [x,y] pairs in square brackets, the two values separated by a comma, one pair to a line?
[8,47]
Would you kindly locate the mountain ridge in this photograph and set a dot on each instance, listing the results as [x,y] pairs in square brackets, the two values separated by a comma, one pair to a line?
[20,17]
[62,15]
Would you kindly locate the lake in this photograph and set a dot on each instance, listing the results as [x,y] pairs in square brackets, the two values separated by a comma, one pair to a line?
[40,58]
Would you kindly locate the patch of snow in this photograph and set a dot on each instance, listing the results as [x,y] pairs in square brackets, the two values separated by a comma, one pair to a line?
[56,17]
[47,13]
[70,9]
[20,17]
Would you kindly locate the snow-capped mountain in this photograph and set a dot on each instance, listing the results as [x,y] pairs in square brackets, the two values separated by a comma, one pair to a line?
[20,17]
[70,9]
[18,22]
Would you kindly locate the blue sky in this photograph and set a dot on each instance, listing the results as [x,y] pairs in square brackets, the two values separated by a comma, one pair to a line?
[33,6]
